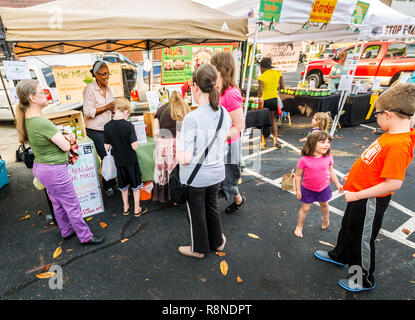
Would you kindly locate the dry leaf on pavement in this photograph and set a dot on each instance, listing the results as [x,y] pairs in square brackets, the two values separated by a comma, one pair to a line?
[25,217]
[45,275]
[124,240]
[57,252]
[254,236]
[45,268]
[221,254]
[327,243]
[238,279]
[224,267]
[103,225]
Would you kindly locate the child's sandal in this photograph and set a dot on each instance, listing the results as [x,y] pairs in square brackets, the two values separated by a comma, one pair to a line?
[126,213]
[141,212]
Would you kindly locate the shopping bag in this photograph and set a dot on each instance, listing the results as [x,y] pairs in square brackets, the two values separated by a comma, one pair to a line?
[4,178]
[288,181]
[109,170]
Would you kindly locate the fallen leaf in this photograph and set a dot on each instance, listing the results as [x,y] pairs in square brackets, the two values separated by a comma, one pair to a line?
[57,252]
[279,255]
[69,250]
[103,225]
[124,240]
[327,243]
[254,236]
[221,254]
[406,231]
[413,282]
[366,138]
[45,275]
[39,212]
[238,279]
[45,268]
[25,217]
[202,279]
[224,267]
[90,218]
[378,240]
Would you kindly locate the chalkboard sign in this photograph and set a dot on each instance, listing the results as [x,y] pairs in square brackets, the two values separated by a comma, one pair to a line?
[85,179]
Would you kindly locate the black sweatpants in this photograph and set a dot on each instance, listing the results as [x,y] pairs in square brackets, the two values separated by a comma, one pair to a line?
[204,216]
[98,138]
[360,226]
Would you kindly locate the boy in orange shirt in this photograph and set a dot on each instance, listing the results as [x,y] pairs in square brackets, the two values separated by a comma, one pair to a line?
[376,174]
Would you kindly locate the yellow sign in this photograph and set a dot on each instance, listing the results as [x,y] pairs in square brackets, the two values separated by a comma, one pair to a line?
[322,11]
[372,101]
[71,81]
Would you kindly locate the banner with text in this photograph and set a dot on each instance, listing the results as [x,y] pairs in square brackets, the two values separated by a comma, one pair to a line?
[71,81]
[284,55]
[178,63]
[270,10]
[322,11]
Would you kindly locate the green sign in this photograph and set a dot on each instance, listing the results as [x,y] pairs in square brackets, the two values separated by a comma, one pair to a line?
[360,12]
[178,63]
[270,10]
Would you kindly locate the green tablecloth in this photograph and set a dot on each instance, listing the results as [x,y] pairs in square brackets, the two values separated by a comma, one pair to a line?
[146,159]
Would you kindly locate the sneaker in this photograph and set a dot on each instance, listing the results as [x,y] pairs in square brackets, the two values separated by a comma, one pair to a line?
[324,255]
[95,240]
[109,192]
[352,286]
[235,207]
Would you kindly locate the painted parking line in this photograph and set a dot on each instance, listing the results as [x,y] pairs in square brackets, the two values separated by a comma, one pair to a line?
[397,235]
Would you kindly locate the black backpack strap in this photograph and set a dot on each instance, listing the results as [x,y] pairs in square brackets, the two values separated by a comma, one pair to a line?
[203,157]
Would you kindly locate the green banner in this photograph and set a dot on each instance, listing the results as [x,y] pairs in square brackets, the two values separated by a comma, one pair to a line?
[360,12]
[270,10]
[178,63]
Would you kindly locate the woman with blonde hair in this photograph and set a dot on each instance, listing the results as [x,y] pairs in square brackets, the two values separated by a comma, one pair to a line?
[50,166]
[166,123]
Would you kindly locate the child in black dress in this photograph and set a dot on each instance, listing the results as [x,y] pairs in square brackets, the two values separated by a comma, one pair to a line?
[119,134]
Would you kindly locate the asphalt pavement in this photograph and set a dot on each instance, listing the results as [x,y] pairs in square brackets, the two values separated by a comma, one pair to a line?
[266,262]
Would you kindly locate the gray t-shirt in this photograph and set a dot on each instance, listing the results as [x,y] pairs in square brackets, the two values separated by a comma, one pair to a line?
[198,129]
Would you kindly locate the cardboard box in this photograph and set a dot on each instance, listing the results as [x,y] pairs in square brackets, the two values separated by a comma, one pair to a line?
[64,118]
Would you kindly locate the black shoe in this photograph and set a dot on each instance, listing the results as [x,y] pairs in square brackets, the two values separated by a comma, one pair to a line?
[109,192]
[95,240]
[50,219]
[235,207]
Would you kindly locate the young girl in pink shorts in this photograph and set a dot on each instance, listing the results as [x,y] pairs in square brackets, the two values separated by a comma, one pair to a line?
[315,169]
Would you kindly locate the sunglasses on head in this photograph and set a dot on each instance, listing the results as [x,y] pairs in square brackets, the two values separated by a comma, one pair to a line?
[394,110]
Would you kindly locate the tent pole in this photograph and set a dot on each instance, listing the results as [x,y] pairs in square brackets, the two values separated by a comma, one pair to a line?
[251,68]
[305,70]
[245,63]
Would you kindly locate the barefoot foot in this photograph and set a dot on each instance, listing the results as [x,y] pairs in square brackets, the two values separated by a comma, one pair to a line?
[187,251]
[298,232]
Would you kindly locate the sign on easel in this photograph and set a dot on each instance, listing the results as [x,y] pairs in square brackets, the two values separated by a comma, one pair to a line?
[85,179]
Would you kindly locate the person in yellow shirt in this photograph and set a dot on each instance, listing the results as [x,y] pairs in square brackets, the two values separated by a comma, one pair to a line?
[269,82]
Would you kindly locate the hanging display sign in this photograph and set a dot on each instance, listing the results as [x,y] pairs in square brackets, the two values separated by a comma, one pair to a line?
[178,63]
[270,10]
[16,70]
[360,12]
[71,81]
[284,55]
[322,11]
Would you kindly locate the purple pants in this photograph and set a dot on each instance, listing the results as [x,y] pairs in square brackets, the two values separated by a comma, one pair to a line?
[60,189]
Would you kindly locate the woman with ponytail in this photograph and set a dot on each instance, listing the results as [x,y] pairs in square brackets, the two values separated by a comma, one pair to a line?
[197,132]
[50,166]
[231,99]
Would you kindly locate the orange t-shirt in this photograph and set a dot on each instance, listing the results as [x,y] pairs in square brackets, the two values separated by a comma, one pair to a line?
[386,158]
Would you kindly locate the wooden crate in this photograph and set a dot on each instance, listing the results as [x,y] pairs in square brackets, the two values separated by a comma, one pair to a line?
[64,117]
[148,120]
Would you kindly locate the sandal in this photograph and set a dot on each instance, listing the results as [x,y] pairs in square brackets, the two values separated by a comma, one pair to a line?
[277,146]
[234,207]
[141,212]
[126,213]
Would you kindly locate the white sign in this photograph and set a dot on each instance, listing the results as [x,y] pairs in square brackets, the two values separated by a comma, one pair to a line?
[376,84]
[153,100]
[140,131]
[84,176]
[345,83]
[16,70]
[284,55]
